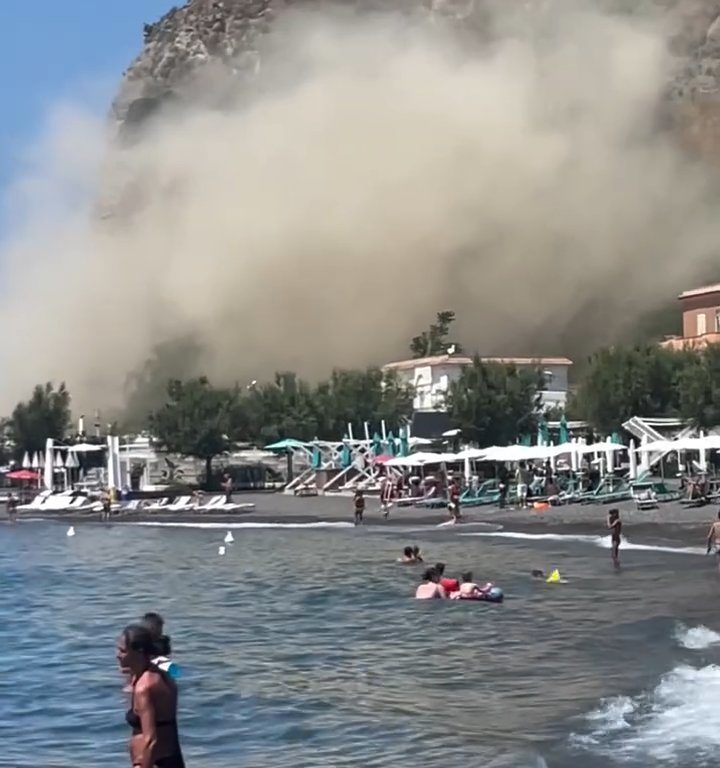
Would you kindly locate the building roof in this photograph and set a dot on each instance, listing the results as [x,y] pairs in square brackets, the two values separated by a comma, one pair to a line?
[404,365]
[705,289]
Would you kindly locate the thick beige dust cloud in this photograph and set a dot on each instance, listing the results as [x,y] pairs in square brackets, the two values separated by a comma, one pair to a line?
[376,171]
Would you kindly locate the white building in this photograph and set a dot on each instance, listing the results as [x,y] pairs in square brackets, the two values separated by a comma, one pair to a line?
[431,377]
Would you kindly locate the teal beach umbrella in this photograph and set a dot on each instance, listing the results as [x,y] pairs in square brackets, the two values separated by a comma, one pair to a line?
[316,458]
[404,443]
[345,456]
[564,431]
[377,445]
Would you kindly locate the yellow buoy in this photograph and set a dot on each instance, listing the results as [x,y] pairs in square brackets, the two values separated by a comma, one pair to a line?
[554,577]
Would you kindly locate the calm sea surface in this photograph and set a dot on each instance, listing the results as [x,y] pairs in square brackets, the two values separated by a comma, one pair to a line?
[302,648]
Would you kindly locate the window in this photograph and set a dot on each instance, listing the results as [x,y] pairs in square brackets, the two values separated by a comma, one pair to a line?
[717,321]
[701,324]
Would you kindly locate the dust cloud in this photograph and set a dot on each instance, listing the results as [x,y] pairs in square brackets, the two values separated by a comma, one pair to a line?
[376,170]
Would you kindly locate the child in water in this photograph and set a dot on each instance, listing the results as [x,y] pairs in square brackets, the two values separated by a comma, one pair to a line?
[155,623]
[615,525]
[359,506]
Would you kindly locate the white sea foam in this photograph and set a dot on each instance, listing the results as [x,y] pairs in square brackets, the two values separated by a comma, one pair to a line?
[696,638]
[597,541]
[165,524]
[678,719]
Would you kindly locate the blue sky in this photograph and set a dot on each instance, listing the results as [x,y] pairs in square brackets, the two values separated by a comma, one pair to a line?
[59,50]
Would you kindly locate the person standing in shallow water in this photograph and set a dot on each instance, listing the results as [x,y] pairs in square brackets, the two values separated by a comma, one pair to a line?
[152,715]
[359,506]
[615,525]
[11,506]
[713,539]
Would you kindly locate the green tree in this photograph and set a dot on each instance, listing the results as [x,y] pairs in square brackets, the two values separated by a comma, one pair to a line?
[196,420]
[621,382]
[45,414]
[493,404]
[275,410]
[698,385]
[435,340]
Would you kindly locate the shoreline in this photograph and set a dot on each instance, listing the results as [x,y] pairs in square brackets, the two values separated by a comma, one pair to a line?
[278,508]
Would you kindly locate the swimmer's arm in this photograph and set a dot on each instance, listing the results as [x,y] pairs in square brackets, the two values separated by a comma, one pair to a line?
[443,591]
[146,712]
[711,536]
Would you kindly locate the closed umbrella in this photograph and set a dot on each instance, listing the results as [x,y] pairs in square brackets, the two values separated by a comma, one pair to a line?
[404,443]
[543,434]
[26,461]
[564,431]
[391,449]
[34,463]
[345,456]
[316,458]
[632,457]
[377,445]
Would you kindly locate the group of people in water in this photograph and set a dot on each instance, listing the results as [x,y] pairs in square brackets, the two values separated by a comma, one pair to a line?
[143,655]
[435,584]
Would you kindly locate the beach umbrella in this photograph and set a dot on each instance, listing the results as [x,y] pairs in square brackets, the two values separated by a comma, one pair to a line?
[526,440]
[377,445]
[26,461]
[285,445]
[59,462]
[317,461]
[616,439]
[632,457]
[40,460]
[609,458]
[35,464]
[345,456]
[564,431]
[404,443]
[22,475]
[72,461]
[391,450]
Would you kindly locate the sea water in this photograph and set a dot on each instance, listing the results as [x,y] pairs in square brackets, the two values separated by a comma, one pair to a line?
[302,646]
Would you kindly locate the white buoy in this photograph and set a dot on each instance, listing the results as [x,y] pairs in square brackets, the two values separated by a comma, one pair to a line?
[229,538]
[221,550]
[70,531]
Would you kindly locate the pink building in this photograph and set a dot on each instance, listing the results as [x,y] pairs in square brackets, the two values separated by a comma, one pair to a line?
[701,318]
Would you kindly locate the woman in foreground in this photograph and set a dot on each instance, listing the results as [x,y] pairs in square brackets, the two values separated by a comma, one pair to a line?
[153,705]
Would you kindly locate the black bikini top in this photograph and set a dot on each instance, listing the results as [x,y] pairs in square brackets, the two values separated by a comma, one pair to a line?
[133,719]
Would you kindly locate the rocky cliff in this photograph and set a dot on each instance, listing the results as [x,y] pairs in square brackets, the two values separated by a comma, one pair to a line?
[204,34]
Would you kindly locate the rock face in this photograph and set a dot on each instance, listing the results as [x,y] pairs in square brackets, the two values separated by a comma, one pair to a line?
[204,34]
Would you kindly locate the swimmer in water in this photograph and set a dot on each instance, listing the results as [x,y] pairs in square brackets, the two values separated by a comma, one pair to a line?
[615,525]
[152,715]
[713,539]
[155,624]
[536,573]
[408,557]
[469,590]
[449,585]
[417,554]
[430,588]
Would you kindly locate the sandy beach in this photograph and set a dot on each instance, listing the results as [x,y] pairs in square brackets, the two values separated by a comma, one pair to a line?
[281,508]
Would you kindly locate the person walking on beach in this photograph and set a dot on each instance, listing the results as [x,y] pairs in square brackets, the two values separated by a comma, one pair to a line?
[227,486]
[359,506]
[11,505]
[713,539]
[615,525]
[155,742]
[523,477]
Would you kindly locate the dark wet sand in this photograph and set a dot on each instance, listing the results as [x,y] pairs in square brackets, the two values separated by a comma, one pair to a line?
[281,508]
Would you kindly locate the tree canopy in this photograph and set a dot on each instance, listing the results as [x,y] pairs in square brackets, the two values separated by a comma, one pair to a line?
[196,420]
[45,414]
[621,382]
[494,404]
[435,340]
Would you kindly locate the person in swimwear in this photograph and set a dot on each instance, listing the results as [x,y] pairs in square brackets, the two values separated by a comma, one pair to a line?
[615,525]
[536,573]
[448,584]
[359,506]
[152,715]
[155,623]
[417,554]
[430,587]
[408,557]
[713,539]
[469,590]
[454,501]
[11,505]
